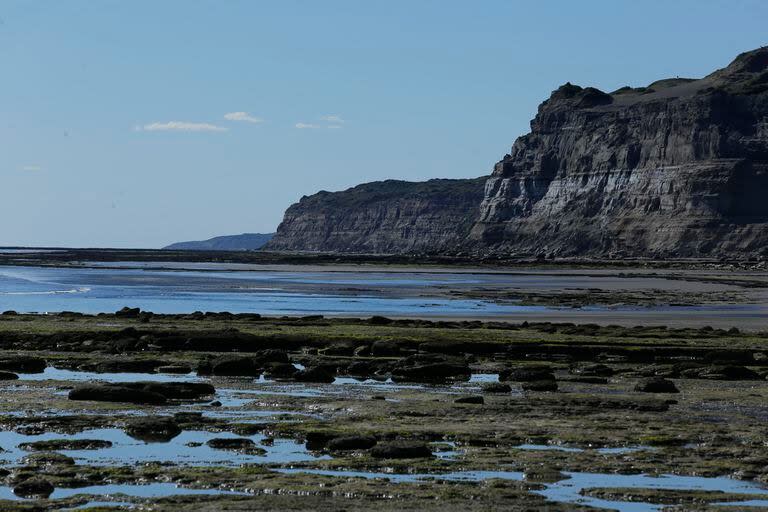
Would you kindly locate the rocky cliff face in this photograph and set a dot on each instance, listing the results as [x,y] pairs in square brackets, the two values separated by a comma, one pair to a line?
[675,169]
[386,217]
[678,168]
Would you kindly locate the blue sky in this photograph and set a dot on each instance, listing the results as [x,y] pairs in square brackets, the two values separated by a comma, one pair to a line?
[114,125]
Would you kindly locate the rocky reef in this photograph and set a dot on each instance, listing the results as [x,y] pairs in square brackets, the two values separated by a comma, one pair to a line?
[386,217]
[675,169]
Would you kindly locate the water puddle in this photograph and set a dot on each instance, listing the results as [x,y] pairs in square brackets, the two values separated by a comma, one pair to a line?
[154,490]
[188,448]
[52,373]
[571,449]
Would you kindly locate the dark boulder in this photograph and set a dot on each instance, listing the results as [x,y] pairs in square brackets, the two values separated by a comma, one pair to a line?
[496,387]
[158,429]
[238,444]
[401,450]
[47,460]
[234,366]
[432,372]
[65,444]
[8,376]
[127,312]
[116,393]
[351,443]
[593,370]
[23,364]
[385,348]
[322,373]
[526,374]
[317,440]
[278,370]
[34,487]
[656,385]
[362,369]
[731,372]
[540,385]
[477,400]
[177,390]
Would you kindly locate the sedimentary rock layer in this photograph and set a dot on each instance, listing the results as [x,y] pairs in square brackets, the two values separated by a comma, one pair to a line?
[675,169]
[383,217]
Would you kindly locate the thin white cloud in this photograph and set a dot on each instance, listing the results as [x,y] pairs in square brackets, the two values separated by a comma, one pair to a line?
[181,126]
[305,126]
[334,126]
[242,116]
[31,168]
[332,118]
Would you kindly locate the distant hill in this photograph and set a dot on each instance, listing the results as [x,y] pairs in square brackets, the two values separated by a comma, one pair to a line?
[244,242]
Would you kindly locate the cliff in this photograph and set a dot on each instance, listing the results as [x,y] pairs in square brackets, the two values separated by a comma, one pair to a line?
[385,217]
[244,242]
[675,169]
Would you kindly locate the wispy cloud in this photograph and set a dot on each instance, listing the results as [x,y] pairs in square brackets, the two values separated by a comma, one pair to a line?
[242,116]
[329,121]
[181,126]
[332,118]
[31,168]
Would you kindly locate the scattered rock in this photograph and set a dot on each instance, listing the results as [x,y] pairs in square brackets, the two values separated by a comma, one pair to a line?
[116,393]
[234,366]
[526,374]
[478,400]
[401,450]
[656,385]
[127,312]
[65,444]
[351,443]
[432,372]
[731,372]
[159,429]
[540,385]
[237,444]
[323,373]
[47,459]
[34,487]
[23,364]
[278,370]
[593,370]
[181,369]
[496,387]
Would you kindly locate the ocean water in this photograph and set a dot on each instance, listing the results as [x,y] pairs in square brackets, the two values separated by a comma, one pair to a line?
[188,287]
[103,290]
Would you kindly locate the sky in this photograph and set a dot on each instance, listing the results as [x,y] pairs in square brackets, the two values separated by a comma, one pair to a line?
[142,123]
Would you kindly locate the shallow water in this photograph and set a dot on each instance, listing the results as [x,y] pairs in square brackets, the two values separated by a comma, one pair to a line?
[186,287]
[102,290]
[126,450]
[154,490]
[51,373]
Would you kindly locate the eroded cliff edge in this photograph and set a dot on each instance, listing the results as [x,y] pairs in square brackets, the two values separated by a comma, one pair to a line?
[385,217]
[675,169]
